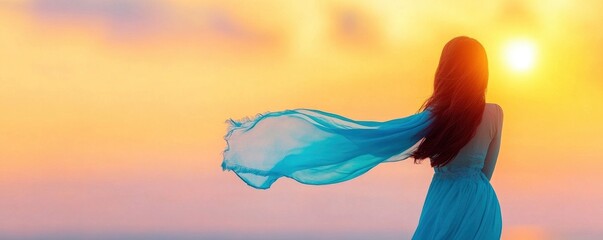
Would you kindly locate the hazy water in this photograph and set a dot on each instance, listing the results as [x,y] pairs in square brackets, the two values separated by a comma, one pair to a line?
[268,236]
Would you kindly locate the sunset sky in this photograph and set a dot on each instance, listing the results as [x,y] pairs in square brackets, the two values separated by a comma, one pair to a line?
[113,113]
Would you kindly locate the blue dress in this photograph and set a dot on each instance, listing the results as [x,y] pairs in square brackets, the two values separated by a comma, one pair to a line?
[460,203]
[318,148]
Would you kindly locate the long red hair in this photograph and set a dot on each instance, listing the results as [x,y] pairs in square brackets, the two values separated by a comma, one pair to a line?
[457,102]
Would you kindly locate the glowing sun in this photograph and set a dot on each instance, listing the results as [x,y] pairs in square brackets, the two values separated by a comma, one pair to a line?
[520,55]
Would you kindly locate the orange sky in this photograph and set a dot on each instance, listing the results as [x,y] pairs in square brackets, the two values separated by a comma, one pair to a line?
[113,112]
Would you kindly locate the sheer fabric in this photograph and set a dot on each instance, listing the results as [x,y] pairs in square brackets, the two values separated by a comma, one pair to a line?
[316,147]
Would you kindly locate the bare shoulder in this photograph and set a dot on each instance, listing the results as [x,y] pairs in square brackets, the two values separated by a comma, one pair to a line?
[494,106]
[495,110]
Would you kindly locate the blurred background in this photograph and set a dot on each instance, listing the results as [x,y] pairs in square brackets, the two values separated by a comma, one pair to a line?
[113,113]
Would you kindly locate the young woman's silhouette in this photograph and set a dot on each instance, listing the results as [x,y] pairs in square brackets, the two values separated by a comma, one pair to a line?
[457,130]
[463,144]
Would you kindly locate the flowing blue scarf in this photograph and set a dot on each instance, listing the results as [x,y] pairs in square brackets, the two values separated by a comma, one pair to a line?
[316,147]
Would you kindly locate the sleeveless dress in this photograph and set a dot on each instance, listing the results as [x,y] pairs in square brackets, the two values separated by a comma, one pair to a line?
[460,203]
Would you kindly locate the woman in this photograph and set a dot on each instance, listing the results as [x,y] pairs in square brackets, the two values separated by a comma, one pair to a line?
[457,130]
[463,144]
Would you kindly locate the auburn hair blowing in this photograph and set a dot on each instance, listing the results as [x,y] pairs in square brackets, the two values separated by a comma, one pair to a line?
[457,102]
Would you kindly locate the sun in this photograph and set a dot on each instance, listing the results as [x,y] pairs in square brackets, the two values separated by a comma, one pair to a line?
[520,55]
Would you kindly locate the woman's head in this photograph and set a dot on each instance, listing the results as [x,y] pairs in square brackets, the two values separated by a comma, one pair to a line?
[457,102]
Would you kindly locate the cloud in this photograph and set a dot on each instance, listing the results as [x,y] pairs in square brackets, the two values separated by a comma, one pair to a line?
[121,17]
[210,26]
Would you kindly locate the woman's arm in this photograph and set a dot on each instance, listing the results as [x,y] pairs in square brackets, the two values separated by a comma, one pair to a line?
[494,147]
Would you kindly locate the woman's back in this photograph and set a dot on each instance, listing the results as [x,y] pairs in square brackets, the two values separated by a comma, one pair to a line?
[482,150]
